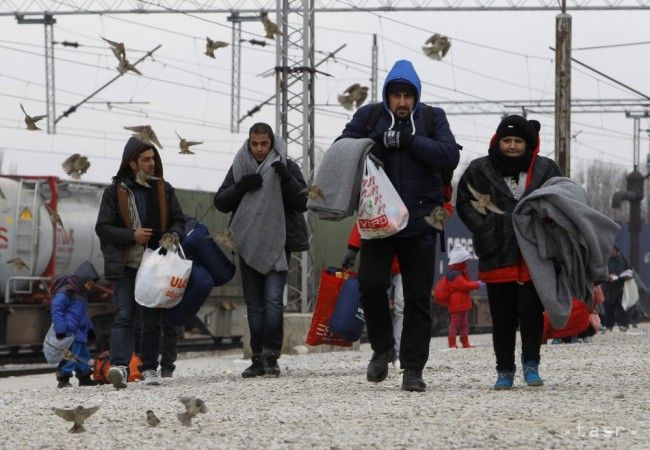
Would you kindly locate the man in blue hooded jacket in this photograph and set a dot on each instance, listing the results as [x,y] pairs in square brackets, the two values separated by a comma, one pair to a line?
[414,155]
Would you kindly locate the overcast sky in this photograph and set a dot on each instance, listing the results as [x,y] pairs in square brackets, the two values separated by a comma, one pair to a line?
[473,69]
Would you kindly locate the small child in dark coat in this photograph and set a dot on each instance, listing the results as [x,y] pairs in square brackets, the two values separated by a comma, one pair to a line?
[70,317]
[459,303]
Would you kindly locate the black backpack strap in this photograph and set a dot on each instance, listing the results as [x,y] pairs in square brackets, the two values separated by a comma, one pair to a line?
[374,118]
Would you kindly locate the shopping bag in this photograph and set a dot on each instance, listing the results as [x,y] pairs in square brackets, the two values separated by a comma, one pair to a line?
[162,278]
[197,291]
[200,248]
[319,333]
[55,349]
[630,294]
[381,211]
[347,320]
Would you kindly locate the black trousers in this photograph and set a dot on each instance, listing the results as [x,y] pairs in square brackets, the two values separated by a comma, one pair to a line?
[512,305]
[416,259]
[615,314]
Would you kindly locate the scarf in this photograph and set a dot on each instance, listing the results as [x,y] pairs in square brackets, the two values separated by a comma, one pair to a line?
[508,166]
[68,282]
[258,224]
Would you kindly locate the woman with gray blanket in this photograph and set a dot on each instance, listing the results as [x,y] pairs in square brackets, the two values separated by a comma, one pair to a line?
[488,192]
[266,194]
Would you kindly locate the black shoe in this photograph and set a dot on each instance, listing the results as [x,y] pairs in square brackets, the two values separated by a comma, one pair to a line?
[271,367]
[256,369]
[166,372]
[85,380]
[412,381]
[378,366]
[64,381]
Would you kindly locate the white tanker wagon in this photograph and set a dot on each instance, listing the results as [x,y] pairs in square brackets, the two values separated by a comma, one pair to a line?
[49,250]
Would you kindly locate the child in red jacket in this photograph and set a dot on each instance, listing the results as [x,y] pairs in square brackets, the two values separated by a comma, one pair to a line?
[459,302]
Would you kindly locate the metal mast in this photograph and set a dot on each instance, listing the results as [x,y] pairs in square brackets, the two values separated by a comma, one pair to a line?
[374,75]
[563,91]
[295,119]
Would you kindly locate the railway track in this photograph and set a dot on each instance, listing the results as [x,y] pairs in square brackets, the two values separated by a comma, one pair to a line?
[14,363]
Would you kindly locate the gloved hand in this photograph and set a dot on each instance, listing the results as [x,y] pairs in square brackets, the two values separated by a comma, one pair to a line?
[91,335]
[349,258]
[250,182]
[60,336]
[379,152]
[281,169]
[397,139]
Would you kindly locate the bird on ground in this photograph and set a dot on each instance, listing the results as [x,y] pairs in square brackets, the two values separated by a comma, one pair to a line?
[54,216]
[437,46]
[117,48]
[31,121]
[211,46]
[152,420]
[124,66]
[226,238]
[482,202]
[185,145]
[270,28]
[77,415]
[437,217]
[313,192]
[193,406]
[18,263]
[353,96]
[146,134]
[76,165]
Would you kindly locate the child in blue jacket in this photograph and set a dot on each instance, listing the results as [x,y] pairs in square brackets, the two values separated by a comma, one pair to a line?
[70,317]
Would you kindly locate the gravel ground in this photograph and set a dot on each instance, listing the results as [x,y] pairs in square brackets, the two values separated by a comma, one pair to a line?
[595,397]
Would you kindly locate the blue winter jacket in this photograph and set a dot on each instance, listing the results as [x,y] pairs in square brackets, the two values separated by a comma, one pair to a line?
[415,172]
[70,315]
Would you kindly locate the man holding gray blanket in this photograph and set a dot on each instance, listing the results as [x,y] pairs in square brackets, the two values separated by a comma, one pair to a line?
[413,160]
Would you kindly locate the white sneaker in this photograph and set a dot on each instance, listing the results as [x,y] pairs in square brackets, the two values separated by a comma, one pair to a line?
[117,376]
[151,377]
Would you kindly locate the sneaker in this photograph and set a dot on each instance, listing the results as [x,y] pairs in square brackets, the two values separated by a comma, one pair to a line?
[151,378]
[377,370]
[271,367]
[412,381]
[85,380]
[556,341]
[622,329]
[166,372]
[531,374]
[505,380]
[64,381]
[587,340]
[117,376]
[256,369]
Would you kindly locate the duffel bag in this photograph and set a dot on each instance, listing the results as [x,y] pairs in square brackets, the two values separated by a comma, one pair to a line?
[201,248]
[347,319]
[197,291]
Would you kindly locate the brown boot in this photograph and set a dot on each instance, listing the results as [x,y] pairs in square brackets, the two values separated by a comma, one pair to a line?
[452,341]
[465,341]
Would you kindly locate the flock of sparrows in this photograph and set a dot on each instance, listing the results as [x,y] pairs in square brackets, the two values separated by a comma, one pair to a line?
[78,415]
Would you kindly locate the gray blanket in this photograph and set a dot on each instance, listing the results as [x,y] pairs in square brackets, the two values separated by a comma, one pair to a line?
[565,243]
[339,178]
[259,223]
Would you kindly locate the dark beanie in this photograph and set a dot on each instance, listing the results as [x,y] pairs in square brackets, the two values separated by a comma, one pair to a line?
[518,126]
[397,86]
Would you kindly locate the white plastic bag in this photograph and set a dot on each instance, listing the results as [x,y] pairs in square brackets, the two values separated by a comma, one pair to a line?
[381,211]
[630,294]
[161,279]
[54,349]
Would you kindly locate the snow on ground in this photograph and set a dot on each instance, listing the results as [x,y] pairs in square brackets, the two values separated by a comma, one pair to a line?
[596,396]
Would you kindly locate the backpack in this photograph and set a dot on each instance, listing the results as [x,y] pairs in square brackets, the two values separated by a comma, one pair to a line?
[427,117]
[441,291]
[102,364]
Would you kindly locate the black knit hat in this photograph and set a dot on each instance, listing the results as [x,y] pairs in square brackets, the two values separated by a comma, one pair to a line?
[519,127]
[397,86]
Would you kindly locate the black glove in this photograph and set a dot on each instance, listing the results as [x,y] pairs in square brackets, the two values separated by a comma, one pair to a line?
[379,152]
[250,182]
[282,170]
[349,258]
[397,139]
[60,336]
[91,335]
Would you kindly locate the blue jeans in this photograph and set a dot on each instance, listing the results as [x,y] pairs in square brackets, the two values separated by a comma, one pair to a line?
[264,307]
[80,368]
[125,313]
